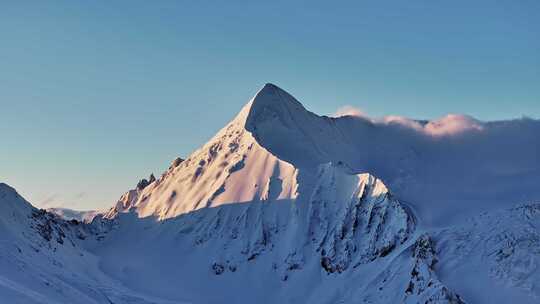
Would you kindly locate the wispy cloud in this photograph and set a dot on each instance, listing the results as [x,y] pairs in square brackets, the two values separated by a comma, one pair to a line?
[348,110]
[450,124]
[50,201]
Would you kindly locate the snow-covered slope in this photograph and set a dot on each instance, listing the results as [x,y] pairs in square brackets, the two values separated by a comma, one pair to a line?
[285,206]
[502,245]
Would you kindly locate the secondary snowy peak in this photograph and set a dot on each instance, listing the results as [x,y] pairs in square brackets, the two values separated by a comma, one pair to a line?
[14,213]
[43,258]
[6,190]
[11,203]
[24,225]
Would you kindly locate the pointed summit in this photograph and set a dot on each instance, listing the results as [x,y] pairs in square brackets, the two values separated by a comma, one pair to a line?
[269,90]
[269,103]
[273,104]
[274,97]
[280,123]
[268,87]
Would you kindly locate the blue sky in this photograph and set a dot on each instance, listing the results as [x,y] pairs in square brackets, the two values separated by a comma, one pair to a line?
[94,95]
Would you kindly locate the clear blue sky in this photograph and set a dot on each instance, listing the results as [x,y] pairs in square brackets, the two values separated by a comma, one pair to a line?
[94,96]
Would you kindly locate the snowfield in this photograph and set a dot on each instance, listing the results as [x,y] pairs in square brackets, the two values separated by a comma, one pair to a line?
[285,206]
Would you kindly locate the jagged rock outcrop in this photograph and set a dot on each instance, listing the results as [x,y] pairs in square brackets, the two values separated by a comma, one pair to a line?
[424,286]
[143,183]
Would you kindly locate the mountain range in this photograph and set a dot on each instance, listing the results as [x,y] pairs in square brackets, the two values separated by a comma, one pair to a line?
[286,206]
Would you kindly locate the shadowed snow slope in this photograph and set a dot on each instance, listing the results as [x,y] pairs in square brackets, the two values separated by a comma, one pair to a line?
[285,206]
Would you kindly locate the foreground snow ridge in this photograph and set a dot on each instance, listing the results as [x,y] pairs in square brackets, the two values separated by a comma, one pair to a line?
[285,206]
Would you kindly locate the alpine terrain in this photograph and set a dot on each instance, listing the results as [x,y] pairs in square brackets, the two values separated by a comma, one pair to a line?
[285,206]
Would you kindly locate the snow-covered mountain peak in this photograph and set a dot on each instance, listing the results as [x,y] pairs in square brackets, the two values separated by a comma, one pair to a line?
[231,168]
[274,138]
[272,103]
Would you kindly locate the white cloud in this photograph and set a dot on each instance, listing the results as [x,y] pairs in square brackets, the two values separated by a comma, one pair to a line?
[348,110]
[399,120]
[451,124]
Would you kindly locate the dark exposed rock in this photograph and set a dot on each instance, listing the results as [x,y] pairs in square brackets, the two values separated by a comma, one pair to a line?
[424,283]
[143,183]
[218,268]
[176,162]
[50,226]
